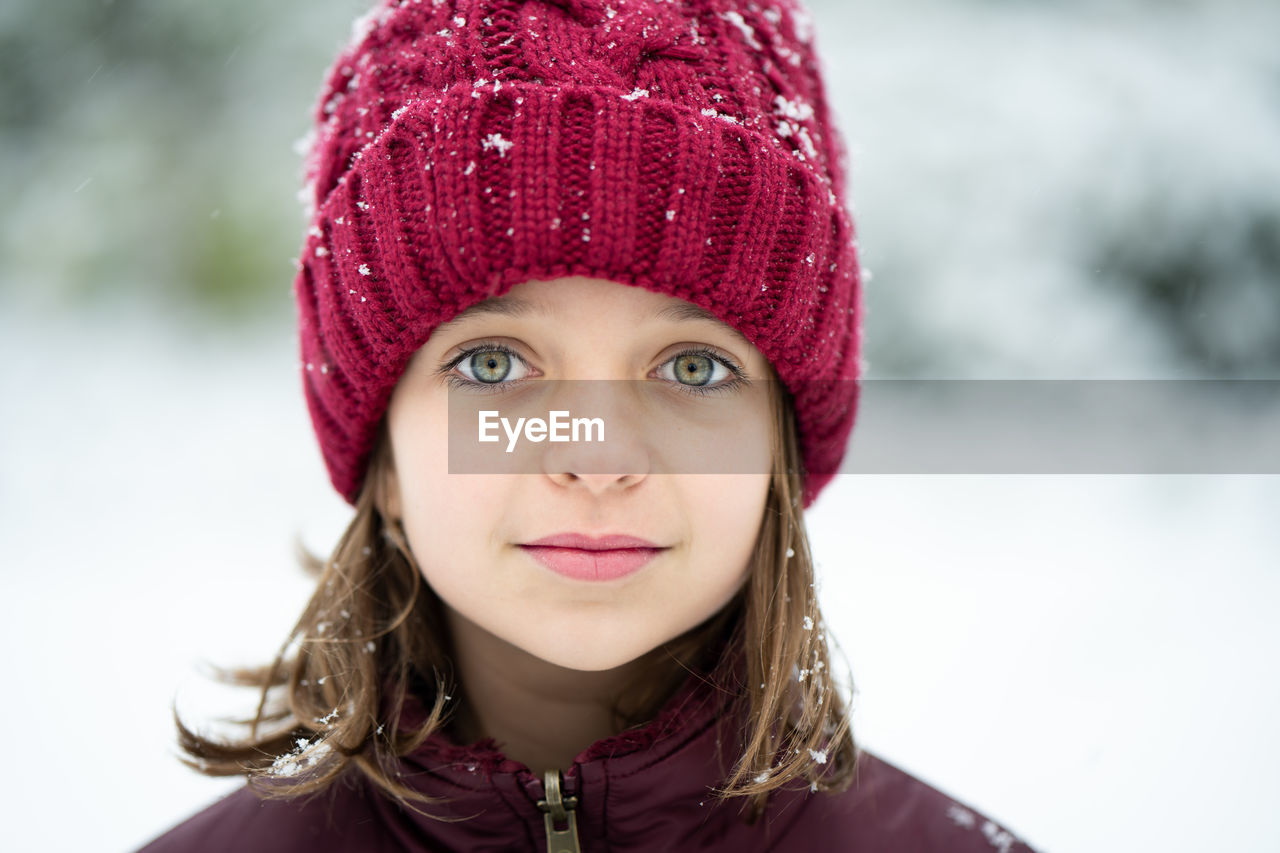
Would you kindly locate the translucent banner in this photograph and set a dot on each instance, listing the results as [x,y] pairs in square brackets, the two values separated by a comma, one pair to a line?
[903,426]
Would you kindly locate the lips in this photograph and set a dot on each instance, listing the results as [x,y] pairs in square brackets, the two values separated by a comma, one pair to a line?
[587,558]
[589,543]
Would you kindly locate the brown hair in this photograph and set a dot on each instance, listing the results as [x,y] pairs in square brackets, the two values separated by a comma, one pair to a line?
[373,631]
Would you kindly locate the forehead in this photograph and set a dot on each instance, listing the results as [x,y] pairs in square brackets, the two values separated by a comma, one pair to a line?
[516,307]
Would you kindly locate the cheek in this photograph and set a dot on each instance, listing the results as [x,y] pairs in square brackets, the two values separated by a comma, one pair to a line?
[433,508]
[445,514]
[419,450]
[456,529]
[726,514]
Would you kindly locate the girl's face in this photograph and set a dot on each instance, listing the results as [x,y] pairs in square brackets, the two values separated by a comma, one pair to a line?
[470,532]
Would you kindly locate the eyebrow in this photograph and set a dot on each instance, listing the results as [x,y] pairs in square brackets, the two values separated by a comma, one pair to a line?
[510,306]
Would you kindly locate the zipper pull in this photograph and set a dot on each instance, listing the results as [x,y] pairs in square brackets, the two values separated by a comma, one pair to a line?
[559,810]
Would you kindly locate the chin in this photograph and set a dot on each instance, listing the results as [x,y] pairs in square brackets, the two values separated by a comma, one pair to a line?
[589,657]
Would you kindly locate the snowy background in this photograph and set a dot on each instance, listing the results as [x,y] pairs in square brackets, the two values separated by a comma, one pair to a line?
[1042,190]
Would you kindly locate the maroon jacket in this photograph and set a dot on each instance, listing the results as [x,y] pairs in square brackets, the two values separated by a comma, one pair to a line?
[641,790]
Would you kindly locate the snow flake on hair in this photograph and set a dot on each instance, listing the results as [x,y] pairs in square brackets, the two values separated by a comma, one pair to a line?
[305,754]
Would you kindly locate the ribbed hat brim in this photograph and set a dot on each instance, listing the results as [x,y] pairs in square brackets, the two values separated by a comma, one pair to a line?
[479,188]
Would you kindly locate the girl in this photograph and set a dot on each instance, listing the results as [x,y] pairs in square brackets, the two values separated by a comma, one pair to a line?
[612,646]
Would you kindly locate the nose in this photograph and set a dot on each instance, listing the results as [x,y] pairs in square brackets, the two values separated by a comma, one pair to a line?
[621,460]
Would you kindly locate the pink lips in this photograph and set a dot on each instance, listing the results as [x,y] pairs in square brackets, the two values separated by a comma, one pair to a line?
[585,558]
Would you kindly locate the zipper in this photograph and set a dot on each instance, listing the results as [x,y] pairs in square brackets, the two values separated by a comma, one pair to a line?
[559,810]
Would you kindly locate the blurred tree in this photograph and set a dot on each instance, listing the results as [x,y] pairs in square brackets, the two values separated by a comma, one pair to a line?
[147,146]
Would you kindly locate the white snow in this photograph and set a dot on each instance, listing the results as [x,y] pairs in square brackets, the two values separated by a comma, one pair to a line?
[495,140]
[746,29]
[797,110]
[363,25]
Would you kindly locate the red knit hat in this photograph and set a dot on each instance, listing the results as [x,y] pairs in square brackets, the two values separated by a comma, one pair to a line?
[683,146]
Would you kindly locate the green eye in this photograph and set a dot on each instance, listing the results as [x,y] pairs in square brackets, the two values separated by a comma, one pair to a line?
[490,365]
[701,371]
[694,368]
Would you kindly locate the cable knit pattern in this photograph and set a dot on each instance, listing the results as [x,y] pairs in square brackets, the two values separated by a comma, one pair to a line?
[465,146]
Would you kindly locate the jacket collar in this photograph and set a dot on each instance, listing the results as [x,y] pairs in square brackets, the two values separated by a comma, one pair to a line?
[632,782]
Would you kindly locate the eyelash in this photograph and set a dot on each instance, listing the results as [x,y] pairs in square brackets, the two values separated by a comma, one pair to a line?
[465,384]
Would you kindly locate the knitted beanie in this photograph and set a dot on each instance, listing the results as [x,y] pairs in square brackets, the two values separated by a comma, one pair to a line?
[462,147]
